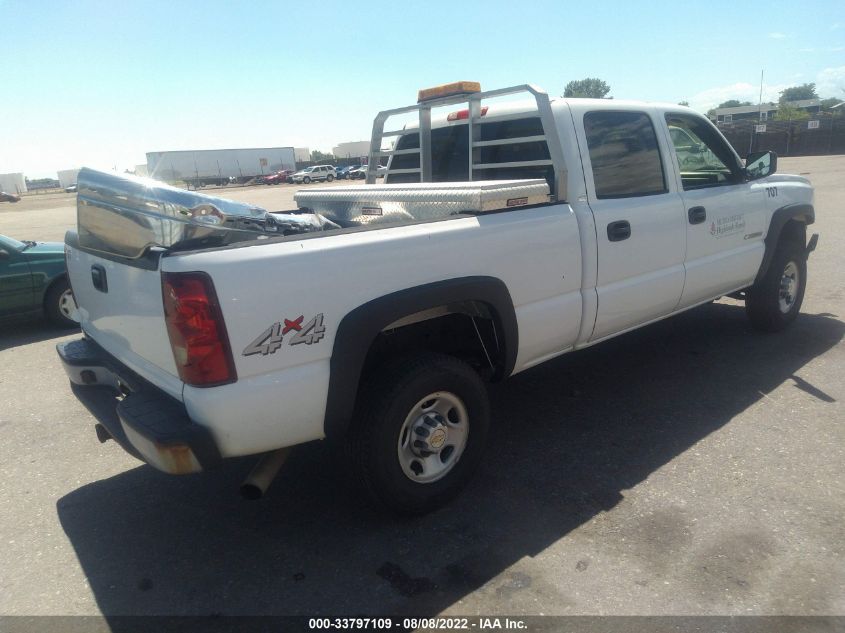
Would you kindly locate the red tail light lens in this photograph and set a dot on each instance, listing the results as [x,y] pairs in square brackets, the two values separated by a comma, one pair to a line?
[196,329]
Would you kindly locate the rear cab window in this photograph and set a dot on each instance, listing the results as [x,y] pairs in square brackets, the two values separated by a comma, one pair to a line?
[624,154]
[450,153]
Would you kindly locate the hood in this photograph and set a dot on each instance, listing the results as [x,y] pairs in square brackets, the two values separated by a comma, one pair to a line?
[45,250]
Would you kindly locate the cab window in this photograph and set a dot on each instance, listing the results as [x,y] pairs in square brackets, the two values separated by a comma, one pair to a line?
[450,153]
[624,154]
[705,158]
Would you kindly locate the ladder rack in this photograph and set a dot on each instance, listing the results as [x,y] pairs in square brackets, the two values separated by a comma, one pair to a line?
[474,121]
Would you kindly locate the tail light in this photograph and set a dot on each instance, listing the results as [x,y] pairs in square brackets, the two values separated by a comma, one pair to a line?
[196,330]
[460,115]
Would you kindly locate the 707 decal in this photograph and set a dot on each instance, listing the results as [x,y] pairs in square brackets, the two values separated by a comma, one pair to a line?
[272,338]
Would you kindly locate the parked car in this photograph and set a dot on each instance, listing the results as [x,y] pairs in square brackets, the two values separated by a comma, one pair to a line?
[9,197]
[70,189]
[343,172]
[361,172]
[316,173]
[280,177]
[33,280]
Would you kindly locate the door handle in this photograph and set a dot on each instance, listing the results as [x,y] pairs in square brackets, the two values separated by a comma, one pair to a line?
[697,215]
[618,231]
[99,279]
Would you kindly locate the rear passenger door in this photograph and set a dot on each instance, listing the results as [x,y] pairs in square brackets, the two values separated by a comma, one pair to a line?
[639,217]
[725,216]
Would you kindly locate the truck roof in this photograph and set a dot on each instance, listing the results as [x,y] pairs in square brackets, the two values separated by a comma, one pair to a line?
[578,104]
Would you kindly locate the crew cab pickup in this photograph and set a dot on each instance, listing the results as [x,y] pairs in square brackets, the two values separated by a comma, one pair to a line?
[506,232]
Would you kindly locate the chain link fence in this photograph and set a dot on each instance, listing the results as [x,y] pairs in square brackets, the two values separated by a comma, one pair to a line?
[813,137]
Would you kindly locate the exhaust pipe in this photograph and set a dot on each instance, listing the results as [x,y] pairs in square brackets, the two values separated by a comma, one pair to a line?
[263,473]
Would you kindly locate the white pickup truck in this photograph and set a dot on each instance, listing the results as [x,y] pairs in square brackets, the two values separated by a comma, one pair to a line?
[506,232]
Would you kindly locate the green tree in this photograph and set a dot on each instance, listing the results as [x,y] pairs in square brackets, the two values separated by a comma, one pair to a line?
[790,113]
[827,104]
[319,157]
[797,93]
[589,88]
[733,103]
[683,103]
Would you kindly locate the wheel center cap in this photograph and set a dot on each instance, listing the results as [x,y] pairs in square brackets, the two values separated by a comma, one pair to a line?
[430,434]
[437,438]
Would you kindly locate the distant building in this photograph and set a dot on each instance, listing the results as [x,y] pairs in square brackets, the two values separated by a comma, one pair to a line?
[67,177]
[762,112]
[301,154]
[352,149]
[13,183]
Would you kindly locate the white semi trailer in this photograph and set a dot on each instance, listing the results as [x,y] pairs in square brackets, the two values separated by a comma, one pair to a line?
[198,168]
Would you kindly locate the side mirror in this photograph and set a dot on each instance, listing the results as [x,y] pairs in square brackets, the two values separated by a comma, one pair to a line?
[760,164]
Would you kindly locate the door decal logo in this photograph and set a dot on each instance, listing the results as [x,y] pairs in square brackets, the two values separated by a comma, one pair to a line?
[729,225]
[271,339]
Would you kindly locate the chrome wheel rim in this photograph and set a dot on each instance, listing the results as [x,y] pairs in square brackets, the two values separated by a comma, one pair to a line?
[433,437]
[789,285]
[67,305]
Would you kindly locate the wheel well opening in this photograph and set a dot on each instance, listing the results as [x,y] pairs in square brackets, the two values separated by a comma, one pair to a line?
[51,285]
[469,330]
[794,231]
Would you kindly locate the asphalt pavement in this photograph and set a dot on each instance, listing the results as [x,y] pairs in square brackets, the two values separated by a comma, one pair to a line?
[694,466]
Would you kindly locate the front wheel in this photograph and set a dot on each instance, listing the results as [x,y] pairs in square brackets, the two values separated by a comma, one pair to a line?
[775,300]
[329,178]
[419,432]
[306,180]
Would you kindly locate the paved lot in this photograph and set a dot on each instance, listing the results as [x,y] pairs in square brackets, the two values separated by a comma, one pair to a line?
[692,467]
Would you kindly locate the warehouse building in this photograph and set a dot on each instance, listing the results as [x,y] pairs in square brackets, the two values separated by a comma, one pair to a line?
[13,183]
[67,177]
[352,149]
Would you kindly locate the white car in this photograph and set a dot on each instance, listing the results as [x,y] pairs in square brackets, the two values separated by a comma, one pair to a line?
[361,172]
[374,315]
[316,173]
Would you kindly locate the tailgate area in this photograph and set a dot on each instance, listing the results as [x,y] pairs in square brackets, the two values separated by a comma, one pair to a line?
[120,307]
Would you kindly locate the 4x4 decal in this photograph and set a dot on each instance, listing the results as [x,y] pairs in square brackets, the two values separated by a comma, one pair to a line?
[271,339]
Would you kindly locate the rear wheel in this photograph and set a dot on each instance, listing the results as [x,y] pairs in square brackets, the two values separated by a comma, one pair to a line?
[419,432]
[60,305]
[329,178]
[775,300]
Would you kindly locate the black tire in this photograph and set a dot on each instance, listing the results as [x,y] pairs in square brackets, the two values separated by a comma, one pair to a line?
[763,300]
[329,178]
[383,406]
[53,304]
[306,180]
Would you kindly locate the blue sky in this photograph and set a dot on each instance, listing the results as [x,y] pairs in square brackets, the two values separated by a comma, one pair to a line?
[102,83]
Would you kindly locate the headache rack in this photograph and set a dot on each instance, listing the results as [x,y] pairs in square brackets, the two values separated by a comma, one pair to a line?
[474,121]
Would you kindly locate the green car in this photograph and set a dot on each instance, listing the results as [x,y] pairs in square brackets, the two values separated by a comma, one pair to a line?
[33,279]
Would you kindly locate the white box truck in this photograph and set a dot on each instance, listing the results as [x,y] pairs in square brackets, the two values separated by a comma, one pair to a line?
[198,168]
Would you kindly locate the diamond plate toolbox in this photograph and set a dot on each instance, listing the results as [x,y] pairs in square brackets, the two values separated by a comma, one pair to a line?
[354,205]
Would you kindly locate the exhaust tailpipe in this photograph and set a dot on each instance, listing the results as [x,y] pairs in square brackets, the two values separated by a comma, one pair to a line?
[263,473]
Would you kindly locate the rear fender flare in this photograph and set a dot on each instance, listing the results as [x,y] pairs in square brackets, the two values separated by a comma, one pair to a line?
[360,327]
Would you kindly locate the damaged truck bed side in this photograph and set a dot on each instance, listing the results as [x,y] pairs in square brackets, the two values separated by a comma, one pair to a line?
[505,234]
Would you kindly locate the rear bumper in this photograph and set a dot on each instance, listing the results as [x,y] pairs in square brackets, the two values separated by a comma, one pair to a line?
[144,420]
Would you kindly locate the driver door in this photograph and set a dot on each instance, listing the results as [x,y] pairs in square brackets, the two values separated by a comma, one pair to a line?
[724,213]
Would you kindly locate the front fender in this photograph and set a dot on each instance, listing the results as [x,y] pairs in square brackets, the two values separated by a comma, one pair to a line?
[800,212]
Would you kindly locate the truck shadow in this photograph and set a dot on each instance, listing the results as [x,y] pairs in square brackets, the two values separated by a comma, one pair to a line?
[568,438]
